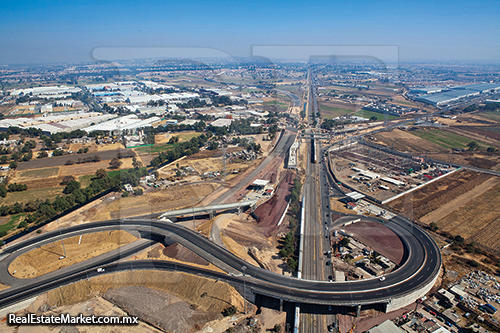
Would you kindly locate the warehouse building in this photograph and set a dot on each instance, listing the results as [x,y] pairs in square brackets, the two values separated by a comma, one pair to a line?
[130,123]
[57,123]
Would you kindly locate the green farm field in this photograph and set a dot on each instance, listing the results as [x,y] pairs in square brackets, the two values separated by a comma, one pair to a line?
[446,139]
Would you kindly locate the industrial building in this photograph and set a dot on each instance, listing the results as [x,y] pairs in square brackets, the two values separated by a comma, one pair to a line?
[130,123]
[57,123]
[450,95]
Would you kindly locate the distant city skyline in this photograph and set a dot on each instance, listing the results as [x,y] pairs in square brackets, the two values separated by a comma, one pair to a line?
[66,31]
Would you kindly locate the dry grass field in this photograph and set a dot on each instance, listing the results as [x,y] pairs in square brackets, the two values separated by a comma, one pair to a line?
[477,221]
[406,142]
[432,196]
[45,259]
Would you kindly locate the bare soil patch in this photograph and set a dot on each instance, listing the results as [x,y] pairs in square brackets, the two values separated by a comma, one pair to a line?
[181,253]
[200,293]
[379,238]
[151,305]
[46,259]
[271,211]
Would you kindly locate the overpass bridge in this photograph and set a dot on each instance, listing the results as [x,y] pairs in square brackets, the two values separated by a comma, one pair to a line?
[211,210]
[315,136]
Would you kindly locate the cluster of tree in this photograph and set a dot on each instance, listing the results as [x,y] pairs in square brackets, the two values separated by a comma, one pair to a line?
[289,250]
[83,150]
[173,140]
[184,148]
[15,187]
[39,210]
[473,145]
[5,151]
[229,311]
[88,159]
[485,107]
[156,103]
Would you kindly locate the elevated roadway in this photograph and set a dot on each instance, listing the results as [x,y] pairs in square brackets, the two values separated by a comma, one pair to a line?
[422,264]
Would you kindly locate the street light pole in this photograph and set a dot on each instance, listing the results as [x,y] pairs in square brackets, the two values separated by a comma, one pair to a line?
[192,206]
[62,241]
[244,268]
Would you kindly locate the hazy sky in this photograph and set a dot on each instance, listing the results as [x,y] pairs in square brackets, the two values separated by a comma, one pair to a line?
[52,31]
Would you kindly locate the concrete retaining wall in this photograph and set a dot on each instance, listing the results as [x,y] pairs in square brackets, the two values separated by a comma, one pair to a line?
[408,299]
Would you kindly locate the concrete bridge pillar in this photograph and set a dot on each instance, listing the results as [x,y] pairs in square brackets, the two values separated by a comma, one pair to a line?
[212,214]
[239,210]
[358,310]
[281,305]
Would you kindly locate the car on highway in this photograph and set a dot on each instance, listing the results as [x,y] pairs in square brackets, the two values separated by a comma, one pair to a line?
[382,278]
[328,263]
[100,270]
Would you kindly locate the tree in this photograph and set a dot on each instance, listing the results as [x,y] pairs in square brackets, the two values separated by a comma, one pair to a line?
[229,311]
[345,241]
[473,145]
[135,163]
[125,194]
[101,174]
[67,179]
[213,145]
[433,226]
[491,149]
[58,152]
[42,154]
[13,165]
[277,328]
[115,163]
[72,186]
[3,191]
[373,118]
[138,191]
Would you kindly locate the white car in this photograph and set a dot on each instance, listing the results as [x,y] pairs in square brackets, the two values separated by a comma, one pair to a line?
[100,270]
[382,278]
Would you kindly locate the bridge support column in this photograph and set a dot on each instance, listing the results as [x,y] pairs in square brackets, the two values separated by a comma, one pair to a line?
[239,210]
[281,305]
[358,310]
[211,214]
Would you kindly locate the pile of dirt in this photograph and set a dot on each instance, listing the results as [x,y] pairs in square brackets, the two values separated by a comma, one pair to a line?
[271,211]
[165,311]
[179,252]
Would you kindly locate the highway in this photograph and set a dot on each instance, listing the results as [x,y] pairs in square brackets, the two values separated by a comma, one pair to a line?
[315,230]
[423,263]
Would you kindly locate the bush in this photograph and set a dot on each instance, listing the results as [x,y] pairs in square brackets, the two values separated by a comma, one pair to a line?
[229,311]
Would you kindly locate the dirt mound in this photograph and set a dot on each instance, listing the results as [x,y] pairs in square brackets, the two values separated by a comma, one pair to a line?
[160,309]
[379,238]
[179,252]
[271,211]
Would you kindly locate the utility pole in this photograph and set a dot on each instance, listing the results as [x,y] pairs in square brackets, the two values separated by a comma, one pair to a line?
[62,240]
